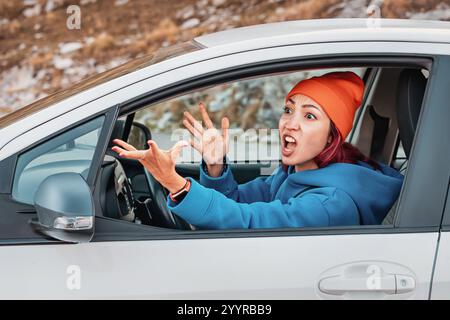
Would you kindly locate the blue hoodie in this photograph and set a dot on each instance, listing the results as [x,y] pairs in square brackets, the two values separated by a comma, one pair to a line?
[339,194]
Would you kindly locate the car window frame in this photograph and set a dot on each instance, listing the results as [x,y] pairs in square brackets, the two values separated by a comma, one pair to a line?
[120,231]
[272,163]
[20,213]
[444,82]
[258,69]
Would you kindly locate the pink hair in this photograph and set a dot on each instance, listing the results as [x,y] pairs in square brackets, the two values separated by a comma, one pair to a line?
[338,151]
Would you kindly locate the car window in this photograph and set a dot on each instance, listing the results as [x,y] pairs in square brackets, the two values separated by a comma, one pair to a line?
[71,151]
[253,107]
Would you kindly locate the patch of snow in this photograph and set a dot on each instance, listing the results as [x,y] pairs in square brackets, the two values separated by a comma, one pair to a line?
[350,9]
[68,47]
[53,4]
[18,78]
[164,120]
[185,13]
[89,40]
[85,2]
[279,11]
[120,2]
[29,2]
[17,84]
[33,11]
[441,12]
[218,3]
[62,63]
[191,23]
[41,74]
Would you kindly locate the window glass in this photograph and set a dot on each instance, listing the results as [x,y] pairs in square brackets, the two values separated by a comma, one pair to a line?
[71,151]
[253,106]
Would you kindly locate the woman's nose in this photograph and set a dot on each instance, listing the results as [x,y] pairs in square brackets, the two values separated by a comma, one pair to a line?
[293,124]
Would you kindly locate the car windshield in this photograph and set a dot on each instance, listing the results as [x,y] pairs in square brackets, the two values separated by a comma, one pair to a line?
[131,66]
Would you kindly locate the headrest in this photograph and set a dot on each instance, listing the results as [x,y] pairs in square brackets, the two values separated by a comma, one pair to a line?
[410,92]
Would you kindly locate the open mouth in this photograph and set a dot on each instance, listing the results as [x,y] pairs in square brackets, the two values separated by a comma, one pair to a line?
[289,144]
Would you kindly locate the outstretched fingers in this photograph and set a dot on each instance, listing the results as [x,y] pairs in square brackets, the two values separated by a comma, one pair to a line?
[192,130]
[175,151]
[194,123]
[135,154]
[196,145]
[225,129]
[205,116]
[124,145]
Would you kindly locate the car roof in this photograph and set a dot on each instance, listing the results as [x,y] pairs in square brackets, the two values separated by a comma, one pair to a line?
[330,27]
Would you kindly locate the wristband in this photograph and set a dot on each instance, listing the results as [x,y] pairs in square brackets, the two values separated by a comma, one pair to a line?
[179,195]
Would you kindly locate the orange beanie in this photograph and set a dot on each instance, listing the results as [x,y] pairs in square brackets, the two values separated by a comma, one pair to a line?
[338,93]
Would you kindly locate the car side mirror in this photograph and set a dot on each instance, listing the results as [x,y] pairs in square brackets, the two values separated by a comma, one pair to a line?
[139,135]
[65,208]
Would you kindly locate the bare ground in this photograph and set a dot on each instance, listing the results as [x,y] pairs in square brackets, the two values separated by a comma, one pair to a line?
[40,55]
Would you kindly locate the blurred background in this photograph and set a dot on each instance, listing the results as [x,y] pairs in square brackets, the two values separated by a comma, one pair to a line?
[40,55]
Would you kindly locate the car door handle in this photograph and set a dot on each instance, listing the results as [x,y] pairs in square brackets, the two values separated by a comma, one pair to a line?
[388,284]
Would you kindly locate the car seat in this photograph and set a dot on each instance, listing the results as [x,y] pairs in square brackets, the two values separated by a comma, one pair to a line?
[410,92]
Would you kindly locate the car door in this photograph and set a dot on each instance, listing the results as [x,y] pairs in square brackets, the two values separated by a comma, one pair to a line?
[375,262]
[441,276]
[124,260]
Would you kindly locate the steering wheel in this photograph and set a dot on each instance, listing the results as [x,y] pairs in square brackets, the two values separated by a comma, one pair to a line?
[116,196]
[158,205]
[119,203]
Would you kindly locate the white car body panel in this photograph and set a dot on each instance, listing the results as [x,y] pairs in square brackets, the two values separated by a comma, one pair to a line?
[279,267]
[20,137]
[441,277]
[234,268]
[329,30]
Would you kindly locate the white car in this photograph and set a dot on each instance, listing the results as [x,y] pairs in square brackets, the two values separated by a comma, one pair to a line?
[77,222]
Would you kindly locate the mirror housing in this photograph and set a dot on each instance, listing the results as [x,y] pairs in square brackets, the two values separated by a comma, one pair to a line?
[139,135]
[65,208]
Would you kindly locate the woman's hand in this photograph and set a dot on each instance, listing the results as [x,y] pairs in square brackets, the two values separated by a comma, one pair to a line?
[160,163]
[211,143]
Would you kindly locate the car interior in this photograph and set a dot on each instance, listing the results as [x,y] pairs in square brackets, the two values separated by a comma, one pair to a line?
[384,130]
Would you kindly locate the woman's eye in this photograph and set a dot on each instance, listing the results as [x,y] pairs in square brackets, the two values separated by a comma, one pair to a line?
[287,109]
[310,116]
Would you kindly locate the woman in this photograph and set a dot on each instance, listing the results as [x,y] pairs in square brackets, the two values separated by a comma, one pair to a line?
[322,180]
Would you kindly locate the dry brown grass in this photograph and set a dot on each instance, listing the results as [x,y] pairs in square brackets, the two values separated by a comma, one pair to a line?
[309,9]
[40,60]
[399,8]
[101,44]
[146,24]
[10,9]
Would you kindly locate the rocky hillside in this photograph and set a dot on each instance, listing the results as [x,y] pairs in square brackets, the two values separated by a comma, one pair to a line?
[39,54]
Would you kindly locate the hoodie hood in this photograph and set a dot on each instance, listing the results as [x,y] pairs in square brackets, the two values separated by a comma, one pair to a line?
[374,192]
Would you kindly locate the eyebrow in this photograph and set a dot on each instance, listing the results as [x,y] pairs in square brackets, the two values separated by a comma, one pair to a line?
[305,105]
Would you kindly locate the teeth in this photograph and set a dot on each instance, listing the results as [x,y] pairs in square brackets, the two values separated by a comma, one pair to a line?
[289,139]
